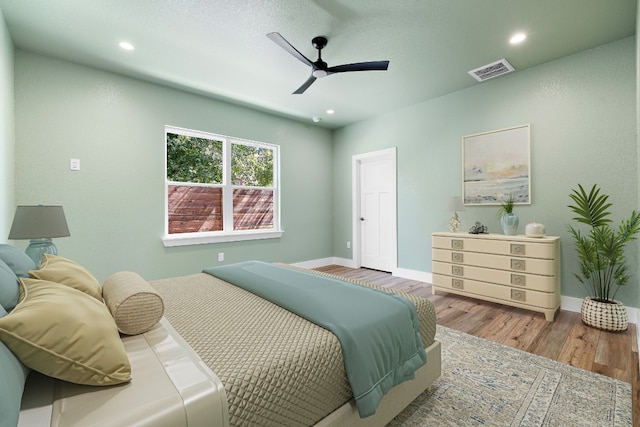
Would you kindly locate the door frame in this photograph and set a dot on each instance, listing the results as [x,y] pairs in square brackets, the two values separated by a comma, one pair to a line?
[356,164]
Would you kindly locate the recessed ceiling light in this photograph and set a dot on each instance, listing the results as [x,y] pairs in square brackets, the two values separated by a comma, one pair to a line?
[126,45]
[316,119]
[330,111]
[517,38]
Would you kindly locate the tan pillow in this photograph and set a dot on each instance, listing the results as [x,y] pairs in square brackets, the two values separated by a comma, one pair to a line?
[65,334]
[133,303]
[61,270]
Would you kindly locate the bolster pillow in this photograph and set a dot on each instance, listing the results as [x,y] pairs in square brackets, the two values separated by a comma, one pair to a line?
[133,303]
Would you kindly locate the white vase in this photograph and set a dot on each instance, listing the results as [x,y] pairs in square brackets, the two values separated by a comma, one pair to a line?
[509,223]
[534,230]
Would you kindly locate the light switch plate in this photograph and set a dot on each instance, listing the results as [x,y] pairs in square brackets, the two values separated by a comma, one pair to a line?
[74,164]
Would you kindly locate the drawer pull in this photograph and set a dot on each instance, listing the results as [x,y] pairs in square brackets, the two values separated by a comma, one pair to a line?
[457,284]
[457,270]
[518,295]
[457,257]
[518,279]
[518,264]
[517,249]
[456,244]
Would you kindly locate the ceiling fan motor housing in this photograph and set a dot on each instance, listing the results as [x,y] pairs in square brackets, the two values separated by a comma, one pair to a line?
[319,42]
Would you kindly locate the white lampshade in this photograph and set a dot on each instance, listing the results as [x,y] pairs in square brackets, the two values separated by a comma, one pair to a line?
[455,204]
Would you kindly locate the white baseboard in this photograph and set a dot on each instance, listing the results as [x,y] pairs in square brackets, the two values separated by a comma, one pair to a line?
[570,303]
[326,261]
[566,303]
[420,276]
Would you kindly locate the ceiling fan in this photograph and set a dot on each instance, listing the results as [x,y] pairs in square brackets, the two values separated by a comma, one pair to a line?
[320,68]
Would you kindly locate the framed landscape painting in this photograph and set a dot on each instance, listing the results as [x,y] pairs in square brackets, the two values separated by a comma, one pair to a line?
[496,165]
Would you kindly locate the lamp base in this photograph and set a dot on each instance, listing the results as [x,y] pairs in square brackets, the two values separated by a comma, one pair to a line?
[38,247]
[454,223]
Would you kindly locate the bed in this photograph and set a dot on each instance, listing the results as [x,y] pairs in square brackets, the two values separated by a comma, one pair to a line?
[223,356]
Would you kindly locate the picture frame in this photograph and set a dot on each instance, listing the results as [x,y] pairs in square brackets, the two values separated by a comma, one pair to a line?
[496,165]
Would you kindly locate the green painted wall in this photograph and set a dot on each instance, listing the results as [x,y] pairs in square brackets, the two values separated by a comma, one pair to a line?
[583,122]
[582,112]
[6,131]
[637,112]
[115,203]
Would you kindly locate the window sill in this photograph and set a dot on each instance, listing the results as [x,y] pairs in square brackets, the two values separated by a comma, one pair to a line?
[186,239]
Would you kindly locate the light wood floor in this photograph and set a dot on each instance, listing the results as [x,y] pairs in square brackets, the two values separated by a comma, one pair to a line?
[565,340]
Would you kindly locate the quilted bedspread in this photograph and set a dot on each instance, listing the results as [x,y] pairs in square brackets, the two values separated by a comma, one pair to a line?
[379,332]
[278,369]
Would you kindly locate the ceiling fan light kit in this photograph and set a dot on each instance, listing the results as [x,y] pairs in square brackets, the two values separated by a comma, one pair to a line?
[319,68]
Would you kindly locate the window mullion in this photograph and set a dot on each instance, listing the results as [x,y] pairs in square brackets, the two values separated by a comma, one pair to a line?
[227,192]
[276,188]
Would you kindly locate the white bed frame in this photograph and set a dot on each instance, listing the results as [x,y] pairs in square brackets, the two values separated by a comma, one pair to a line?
[394,401]
[172,387]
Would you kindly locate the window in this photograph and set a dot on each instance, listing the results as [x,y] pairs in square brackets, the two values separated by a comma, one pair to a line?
[219,188]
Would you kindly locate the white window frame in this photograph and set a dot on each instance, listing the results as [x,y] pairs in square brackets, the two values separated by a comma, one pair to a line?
[227,234]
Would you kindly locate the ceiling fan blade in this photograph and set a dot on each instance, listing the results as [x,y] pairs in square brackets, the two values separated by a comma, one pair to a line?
[305,85]
[283,43]
[359,66]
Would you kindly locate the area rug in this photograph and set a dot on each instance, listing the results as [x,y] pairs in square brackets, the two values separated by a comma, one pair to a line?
[488,384]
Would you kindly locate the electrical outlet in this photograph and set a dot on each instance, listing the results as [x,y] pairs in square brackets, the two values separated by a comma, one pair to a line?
[348,245]
[220,256]
[74,164]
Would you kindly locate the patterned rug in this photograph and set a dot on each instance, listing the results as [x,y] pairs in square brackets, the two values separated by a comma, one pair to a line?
[488,384]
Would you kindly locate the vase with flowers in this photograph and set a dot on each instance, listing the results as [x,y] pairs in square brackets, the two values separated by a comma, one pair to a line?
[508,219]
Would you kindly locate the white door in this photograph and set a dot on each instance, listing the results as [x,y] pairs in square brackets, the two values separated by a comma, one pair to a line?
[376,211]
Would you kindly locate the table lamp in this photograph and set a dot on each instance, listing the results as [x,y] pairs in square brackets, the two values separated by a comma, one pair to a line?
[455,205]
[39,224]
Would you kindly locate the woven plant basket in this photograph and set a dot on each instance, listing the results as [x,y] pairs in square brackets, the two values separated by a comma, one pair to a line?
[606,316]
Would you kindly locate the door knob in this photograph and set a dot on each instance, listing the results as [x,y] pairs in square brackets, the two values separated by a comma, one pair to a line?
[361,218]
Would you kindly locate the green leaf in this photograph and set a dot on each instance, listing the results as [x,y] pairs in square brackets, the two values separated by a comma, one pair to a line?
[601,251]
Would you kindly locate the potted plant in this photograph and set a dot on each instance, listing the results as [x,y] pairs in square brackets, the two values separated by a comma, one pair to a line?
[603,266]
[508,220]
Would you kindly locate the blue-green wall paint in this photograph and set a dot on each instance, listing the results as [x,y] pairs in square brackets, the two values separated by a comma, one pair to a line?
[582,113]
[637,113]
[583,120]
[115,203]
[7,144]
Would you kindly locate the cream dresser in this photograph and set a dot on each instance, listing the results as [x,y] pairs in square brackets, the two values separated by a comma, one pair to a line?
[514,270]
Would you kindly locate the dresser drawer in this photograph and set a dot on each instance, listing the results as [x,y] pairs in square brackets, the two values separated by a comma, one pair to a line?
[513,270]
[530,248]
[500,277]
[525,265]
[492,292]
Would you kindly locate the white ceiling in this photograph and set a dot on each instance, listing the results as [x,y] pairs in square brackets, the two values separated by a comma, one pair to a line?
[219,48]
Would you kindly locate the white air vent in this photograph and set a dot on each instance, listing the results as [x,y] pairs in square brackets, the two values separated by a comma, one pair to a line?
[492,70]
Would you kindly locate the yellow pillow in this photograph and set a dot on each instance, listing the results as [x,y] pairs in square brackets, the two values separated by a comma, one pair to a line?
[61,270]
[65,334]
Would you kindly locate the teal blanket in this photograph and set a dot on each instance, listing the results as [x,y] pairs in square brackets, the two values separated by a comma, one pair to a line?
[379,332]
